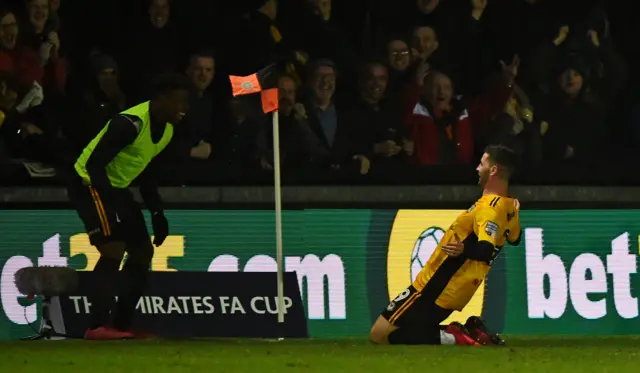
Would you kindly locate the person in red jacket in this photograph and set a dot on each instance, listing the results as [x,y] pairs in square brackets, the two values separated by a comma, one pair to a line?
[25,62]
[442,125]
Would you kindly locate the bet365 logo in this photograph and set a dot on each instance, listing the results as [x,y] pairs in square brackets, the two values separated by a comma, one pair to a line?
[589,283]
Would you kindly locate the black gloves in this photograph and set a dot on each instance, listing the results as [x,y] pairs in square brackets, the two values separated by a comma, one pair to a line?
[160,228]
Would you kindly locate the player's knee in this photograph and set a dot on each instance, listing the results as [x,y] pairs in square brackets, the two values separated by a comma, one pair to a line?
[380,331]
[112,250]
[377,336]
[141,252]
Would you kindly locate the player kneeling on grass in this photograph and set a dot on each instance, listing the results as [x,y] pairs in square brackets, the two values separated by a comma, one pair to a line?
[457,266]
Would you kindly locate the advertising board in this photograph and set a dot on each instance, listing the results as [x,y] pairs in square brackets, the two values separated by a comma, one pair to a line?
[575,271]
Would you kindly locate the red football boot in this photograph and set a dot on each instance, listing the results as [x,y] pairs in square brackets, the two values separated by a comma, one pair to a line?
[461,335]
[106,334]
[139,334]
[481,333]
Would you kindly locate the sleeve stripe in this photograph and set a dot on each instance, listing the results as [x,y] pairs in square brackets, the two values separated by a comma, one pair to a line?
[494,202]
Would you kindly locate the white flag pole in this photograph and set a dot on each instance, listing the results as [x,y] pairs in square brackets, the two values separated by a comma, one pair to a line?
[278,199]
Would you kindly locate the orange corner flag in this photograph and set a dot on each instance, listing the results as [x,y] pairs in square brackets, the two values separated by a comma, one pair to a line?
[270,100]
[244,85]
[263,81]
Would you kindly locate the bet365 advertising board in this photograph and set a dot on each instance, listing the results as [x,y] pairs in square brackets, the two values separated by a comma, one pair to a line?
[574,272]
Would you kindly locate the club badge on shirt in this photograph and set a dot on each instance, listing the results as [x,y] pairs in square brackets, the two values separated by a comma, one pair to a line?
[491,229]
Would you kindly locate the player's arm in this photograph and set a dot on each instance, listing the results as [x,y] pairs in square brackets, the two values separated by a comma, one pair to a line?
[515,233]
[120,132]
[149,187]
[486,226]
[153,201]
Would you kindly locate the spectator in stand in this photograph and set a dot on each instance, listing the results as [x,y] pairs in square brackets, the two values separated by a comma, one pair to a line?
[261,35]
[20,61]
[586,77]
[153,48]
[607,70]
[575,116]
[328,124]
[398,58]
[323,37]
[398,55]
[197,131]
[236,143]
[38,139]
[442,125]
[47,44]
[297,141]
[426,48]
[9,127]
[393,17]
[476,46]
[425,43]
[55,23]
[517,128]
[377,128]
[101,100]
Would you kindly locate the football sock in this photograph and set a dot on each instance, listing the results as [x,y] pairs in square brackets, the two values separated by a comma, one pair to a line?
[446,338]
[135,282]
[409,336]
[106,274]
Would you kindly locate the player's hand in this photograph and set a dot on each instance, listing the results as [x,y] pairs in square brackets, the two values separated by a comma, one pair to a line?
[562,35]
[160,228]
[593,36]
[201,151]
[408,146]
[365,164]
[510,71]
[421,72]
[54,39]
[387,148]
[300,112]
[265,164]
[31,129]
[454,248]
[302,57]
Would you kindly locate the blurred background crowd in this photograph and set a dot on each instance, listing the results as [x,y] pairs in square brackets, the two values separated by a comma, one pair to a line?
[371,91]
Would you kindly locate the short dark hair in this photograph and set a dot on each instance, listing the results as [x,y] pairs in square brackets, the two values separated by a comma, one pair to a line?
[149,3]
[368,65]
[391,39]
[201,54]
[314,65]
[290,77]
[169,82]
[504,157]
[433,73]
[415,28]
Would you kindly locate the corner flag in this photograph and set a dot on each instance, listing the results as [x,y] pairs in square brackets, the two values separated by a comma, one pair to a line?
[263,81]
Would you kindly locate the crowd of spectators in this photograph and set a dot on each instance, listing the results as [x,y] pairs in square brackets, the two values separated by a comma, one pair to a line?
[369,90]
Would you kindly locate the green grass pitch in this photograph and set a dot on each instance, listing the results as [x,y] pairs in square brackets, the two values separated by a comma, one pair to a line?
[522,355]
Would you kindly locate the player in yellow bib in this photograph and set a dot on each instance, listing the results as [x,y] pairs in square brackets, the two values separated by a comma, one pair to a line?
[99,191]
[458,266]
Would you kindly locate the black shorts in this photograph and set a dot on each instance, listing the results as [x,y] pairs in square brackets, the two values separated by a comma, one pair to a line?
[117,218]
[411,309]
